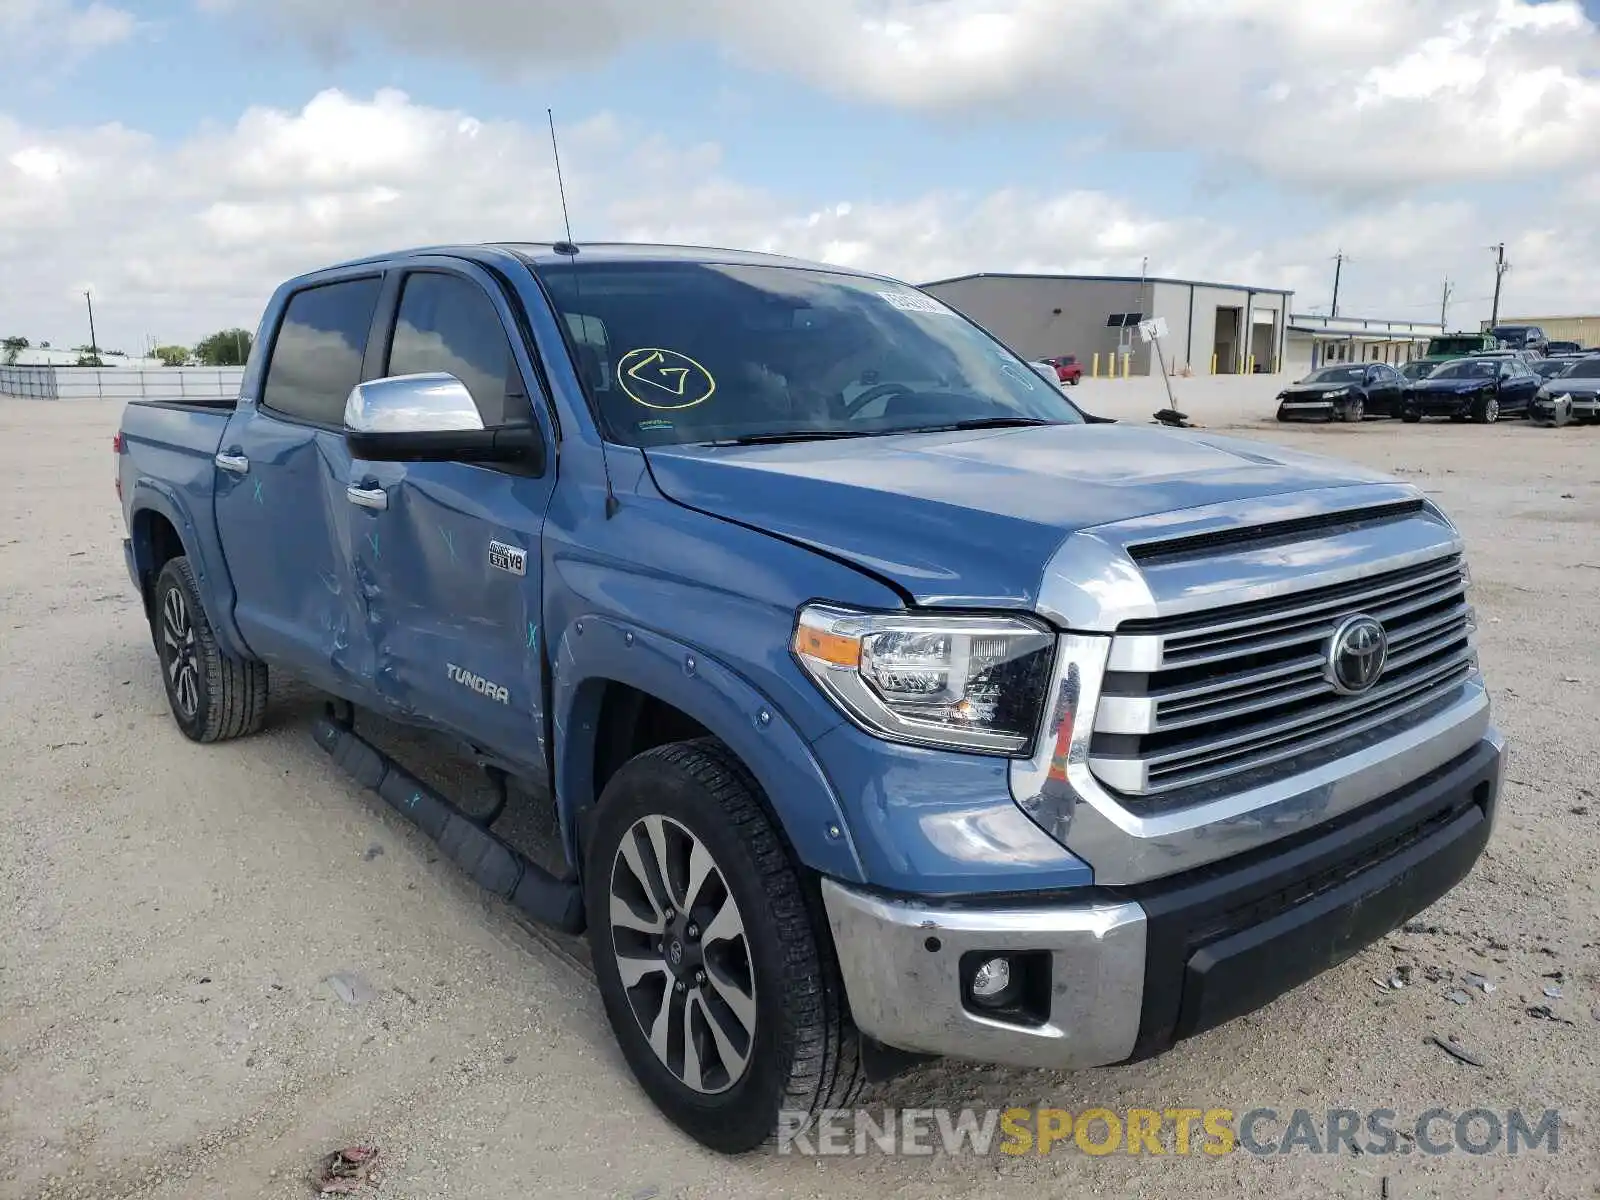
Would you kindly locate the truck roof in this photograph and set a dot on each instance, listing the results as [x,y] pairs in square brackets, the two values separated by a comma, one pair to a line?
[545,253]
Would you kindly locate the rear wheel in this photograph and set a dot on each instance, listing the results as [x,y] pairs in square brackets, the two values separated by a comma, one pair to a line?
[715,971]
[213,695]
[1486,410]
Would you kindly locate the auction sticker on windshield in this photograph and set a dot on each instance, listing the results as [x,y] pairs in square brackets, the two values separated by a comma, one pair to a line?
[664,379]
[913,302]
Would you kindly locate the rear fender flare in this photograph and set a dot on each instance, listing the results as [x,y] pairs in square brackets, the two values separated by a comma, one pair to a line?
[216,586]
[607,651]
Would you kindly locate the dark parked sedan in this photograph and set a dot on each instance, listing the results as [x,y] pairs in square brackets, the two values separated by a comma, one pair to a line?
[1479,389]
[1346,392]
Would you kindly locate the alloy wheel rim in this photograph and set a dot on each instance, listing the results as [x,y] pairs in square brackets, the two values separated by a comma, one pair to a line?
[683,955]
[178,648]
[1493,410]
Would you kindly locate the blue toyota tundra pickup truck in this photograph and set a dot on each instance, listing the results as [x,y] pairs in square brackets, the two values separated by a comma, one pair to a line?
[890,705]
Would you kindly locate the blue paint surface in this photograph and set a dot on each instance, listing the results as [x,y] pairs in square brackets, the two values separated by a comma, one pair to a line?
[681,564]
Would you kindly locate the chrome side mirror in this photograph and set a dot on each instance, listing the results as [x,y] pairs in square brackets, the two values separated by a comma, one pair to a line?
[431,418]
[433,403]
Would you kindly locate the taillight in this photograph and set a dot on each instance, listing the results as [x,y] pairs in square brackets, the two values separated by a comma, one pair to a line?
[116,448]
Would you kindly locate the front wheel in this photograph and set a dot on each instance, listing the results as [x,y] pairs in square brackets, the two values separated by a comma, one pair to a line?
[716,974]
[1411,418]
[213,695]
[1486,411]
[1355,412]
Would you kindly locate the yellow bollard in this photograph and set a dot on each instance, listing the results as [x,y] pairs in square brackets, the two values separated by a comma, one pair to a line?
[1250,369]
[1094,369]
[1213,364]
[1127,361]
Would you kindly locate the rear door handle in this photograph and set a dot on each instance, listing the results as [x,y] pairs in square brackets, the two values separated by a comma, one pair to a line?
[367,497]
[237,463]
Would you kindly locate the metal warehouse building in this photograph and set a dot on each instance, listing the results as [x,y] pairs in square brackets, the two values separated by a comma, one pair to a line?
[1218,327]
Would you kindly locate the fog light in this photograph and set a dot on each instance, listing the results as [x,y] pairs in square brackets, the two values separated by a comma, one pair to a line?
[992,981]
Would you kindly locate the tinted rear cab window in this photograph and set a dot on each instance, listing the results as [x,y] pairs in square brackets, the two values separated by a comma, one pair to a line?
[316,357]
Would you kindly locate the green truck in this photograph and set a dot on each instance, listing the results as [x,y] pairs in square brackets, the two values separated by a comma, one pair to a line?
[1458,345]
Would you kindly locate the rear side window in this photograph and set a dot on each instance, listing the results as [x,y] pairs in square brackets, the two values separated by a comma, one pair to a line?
[449,324]
[316,358]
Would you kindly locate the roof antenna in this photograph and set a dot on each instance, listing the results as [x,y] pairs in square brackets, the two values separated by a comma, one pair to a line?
[570,249]
[567,246]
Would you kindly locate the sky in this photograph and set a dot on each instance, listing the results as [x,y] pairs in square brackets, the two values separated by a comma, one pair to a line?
[180,158]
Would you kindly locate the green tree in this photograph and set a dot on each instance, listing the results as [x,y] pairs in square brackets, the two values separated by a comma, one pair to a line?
[14,346]
[225,348]
[88,360]
[173,356]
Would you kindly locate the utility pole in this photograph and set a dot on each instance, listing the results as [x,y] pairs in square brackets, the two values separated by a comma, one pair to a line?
[1501,266]
[1338,270]
[1444,307]
[94,346]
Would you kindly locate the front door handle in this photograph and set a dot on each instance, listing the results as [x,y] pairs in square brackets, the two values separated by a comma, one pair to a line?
[237,463]
[367,497]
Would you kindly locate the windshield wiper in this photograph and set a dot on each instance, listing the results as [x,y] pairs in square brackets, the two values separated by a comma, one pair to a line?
[979,423]
[793,435]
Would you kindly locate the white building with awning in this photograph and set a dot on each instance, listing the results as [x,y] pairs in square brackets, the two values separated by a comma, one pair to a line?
[1314,340]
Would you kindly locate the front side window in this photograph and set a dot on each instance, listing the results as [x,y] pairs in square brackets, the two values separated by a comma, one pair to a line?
[317,355]
[684,352]
[449,324]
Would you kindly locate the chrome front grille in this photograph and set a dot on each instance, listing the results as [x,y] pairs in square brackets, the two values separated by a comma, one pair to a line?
[1192,702]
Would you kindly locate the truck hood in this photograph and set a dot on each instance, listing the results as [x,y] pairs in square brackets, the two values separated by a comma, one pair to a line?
[972,518]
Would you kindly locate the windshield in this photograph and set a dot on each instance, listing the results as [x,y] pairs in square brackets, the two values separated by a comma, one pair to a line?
[1478,368]
[1416,370]
[693,352]
[1551,367]
[1337,375]
[1584,368]
[1454,345]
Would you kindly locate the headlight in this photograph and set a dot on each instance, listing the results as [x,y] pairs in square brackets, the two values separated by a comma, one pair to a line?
[934,679]
[1336,393]
[1542,394]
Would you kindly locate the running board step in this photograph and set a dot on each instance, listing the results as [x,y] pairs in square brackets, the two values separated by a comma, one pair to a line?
[492,863]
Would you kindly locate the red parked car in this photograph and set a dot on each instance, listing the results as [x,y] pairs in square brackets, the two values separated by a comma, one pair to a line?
[1068,368]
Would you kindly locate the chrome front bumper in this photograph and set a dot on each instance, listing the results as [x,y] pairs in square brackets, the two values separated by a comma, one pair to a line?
[1132,972]
[901,966]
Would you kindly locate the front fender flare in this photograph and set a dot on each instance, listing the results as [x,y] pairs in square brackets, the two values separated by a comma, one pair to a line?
[594,651]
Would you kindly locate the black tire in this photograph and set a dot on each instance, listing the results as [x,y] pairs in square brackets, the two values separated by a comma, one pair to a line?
[803,1054]
[1486,410]
[1356,411]
[213,696]
[1411,418]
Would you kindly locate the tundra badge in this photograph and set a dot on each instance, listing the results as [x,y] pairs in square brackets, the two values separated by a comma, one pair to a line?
[486,688]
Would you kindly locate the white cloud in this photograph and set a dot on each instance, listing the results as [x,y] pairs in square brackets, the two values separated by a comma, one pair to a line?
[1353,96]
[178,240]
[52,28]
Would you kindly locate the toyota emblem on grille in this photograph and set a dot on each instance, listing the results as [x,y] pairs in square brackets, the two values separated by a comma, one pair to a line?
[1357,653]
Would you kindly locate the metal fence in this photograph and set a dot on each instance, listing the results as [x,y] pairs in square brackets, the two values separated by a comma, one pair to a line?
[121,383]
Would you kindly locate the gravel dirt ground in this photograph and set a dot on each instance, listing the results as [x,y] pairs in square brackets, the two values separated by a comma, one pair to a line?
[172,912]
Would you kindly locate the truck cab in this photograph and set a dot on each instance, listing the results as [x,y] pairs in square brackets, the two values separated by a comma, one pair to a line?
[889,706]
